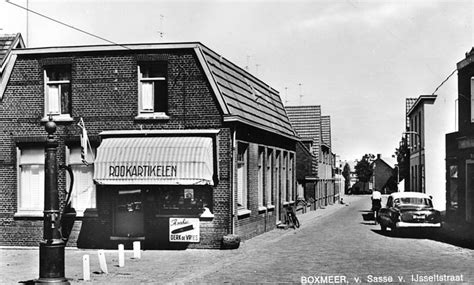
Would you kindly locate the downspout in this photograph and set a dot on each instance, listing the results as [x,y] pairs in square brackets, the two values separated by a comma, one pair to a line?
[232,186]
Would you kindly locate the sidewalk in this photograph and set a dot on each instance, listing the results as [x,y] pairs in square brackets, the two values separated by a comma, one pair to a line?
[155,266]
[461,235]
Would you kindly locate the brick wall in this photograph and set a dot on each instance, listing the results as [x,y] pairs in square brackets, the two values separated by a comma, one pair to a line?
[104,94]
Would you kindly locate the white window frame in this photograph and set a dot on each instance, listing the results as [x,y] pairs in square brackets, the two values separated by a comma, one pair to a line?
[261,177]
[58,115]
[30,210]
[284,177]
[291,173]
[269,165]
[242,176]
[77,163]
[148,112]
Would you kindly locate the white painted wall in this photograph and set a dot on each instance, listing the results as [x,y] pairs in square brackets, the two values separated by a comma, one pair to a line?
[439,120]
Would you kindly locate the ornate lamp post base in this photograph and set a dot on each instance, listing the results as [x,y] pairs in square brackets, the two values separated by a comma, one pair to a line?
[52,263]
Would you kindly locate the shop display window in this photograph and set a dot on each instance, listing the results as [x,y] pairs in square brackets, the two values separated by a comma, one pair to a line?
[182,200]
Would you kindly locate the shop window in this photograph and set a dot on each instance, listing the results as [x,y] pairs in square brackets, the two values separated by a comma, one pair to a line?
[453,187]
[242,173]
[57,80]
[269,164]
[260,175]
[83,194]
[153,88]
[182,200]
[31,181]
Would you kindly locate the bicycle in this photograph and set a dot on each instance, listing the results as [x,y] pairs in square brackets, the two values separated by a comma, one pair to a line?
[291,217]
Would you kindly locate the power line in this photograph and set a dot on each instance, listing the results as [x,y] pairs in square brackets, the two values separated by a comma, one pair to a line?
[67,25]
[444,81]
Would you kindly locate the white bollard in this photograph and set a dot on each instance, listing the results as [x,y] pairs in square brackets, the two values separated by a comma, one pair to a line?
[121,254]
[86,269]
[102,261]
[136,250]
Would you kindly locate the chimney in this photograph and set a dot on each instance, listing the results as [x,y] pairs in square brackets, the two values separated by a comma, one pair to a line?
[379,156]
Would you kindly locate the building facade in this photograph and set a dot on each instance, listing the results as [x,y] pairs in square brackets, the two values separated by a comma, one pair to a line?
[170,144]
[315,133]
[383,176]
[460,148]
[431,117]
[417,141]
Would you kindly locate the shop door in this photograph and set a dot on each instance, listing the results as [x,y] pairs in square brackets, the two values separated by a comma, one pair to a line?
[469,189]
[128,215]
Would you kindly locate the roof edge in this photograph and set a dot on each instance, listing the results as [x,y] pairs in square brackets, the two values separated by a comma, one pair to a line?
[111,47]
[422,99]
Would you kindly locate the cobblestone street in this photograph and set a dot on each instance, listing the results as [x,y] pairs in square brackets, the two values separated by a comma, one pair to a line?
[336,241]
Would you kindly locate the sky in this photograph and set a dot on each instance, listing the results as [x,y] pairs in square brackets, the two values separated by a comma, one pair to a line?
[359,60]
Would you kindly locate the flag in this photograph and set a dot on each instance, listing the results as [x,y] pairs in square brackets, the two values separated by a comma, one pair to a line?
[84,141]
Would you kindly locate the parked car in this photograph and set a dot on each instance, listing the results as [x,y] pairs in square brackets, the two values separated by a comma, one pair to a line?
[409,210]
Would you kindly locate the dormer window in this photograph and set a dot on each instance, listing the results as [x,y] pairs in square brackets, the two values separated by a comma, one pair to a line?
[153,88]
[57,80]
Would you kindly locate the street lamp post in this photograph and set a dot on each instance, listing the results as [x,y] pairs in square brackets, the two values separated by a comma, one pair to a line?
[51,269]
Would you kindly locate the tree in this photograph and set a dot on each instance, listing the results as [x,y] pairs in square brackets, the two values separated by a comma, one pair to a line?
[403,160]
[363,168]
[346,173]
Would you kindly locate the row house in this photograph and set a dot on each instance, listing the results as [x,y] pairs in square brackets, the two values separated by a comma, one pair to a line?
[430,118]
[177,134]
[315,133]
[460,148]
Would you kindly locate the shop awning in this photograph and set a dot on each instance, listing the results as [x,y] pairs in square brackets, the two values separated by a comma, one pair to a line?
[155,160]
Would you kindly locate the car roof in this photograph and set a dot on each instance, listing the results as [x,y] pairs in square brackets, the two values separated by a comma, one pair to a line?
[409,195]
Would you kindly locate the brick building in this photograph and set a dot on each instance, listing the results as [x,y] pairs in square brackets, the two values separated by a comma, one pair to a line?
[180,139]
[460,149]
[315,133]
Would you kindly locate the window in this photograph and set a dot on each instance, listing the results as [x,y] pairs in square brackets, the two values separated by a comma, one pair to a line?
[290,178]
[83,193]
[284,173]
[260,175]
[242,172]
[153,87]
[472,99]
[269,178]
[57,80]
[277,179]
[31,180]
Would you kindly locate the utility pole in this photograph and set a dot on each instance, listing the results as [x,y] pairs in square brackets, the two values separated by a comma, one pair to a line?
[51,269]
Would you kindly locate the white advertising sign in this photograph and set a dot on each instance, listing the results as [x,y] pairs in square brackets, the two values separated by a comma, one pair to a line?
[184,229]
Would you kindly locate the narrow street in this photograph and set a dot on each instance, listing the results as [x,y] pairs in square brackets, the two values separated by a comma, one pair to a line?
[343,244]
[333,245]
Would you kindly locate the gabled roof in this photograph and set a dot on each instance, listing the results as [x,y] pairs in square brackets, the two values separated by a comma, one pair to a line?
[7,44]
[241,96]
[326,130]
[306,120]
[247,99]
